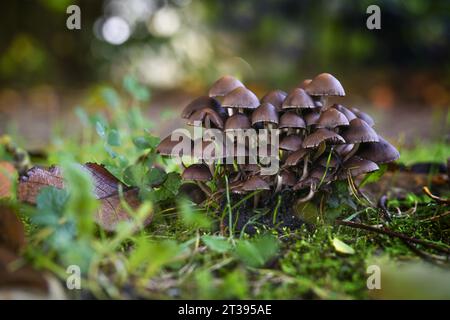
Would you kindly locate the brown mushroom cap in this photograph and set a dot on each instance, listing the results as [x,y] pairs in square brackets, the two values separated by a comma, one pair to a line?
[359,131]
[291,120]
[200,116]
[266,113]
[298,99]
[325,84]
[241,98]
[332,118]
[275,97]
[291,142]
[224,85]
[255,183]
[343,149]
[350,115]
[364,116]
[200,103]
[304,83]
[288,178]
[322,135]
[237,121]
[197,172]
[319,173]
[294,158]
[311,117]
[165,147]
[378,152]
[358,166]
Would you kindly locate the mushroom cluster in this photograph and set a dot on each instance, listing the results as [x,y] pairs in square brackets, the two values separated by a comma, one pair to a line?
[318,143]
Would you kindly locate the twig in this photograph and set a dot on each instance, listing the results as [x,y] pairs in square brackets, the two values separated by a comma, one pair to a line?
[393,234]
[434,197]
[439,216]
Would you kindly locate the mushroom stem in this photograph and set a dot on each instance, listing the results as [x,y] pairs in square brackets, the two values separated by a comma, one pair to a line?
[352,152]
[204,188]
[241,110]
[309,196]
[279,183]
[305,167]
[324,102]
[230,112]
[256,200]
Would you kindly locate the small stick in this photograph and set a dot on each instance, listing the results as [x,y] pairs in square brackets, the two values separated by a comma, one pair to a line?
[434,197]
[392,234]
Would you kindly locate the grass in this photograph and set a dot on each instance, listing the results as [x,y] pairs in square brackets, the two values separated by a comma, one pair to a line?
[184,253]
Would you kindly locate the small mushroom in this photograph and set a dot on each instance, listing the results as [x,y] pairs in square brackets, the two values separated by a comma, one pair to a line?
[223,86]
[205,117]
[291,142]
[357,166]
[265,113]
[325,85]
[199,173]
[298,99]
[166,146]
[288,178]
[275,97]
[236,122]
[339,107]
[255,183]
[322,135]
[332,118]
[364,116]
[311,117]
[292,120]
[379,152]
[358,132]
[294,158]
[304,83]
[200,103]
[240,98]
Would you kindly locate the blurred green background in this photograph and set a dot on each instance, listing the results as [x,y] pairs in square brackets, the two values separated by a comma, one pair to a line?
[400,74]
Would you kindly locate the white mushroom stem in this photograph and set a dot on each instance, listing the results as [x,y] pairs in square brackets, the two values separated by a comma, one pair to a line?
[324,100]
[230,112]
[352,152]
[279,183]
[309,196]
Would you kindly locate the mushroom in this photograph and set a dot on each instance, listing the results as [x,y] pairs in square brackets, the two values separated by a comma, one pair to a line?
[200,103]
[357,166]
[240,98]
[267,114]
[311,117]
[291,121]
[205,117]
[298,99]
[255,183]
[291,142]
[167,145]
[325,85]
[358,132]
[199,173]
[332,118]
[236,122]
[223,86]
[304,83]
[339,107]
[364,116]
[275,97]
[379,152]
[294,158]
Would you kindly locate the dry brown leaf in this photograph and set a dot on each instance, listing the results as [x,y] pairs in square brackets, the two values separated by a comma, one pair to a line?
[12,232]
[106,190]
[7,172]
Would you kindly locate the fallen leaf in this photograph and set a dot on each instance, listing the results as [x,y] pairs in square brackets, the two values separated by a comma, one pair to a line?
[106,190]
[12,232]
[342,247]
[7,172]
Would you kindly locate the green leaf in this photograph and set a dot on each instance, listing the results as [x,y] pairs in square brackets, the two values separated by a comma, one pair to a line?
[146,142]
[169,189]
[217,243]
[155,177]
[113,138]
[50,203]
[257,252]
[342,247]
[373,176]
[192,218]
[133,87]
[111,97]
